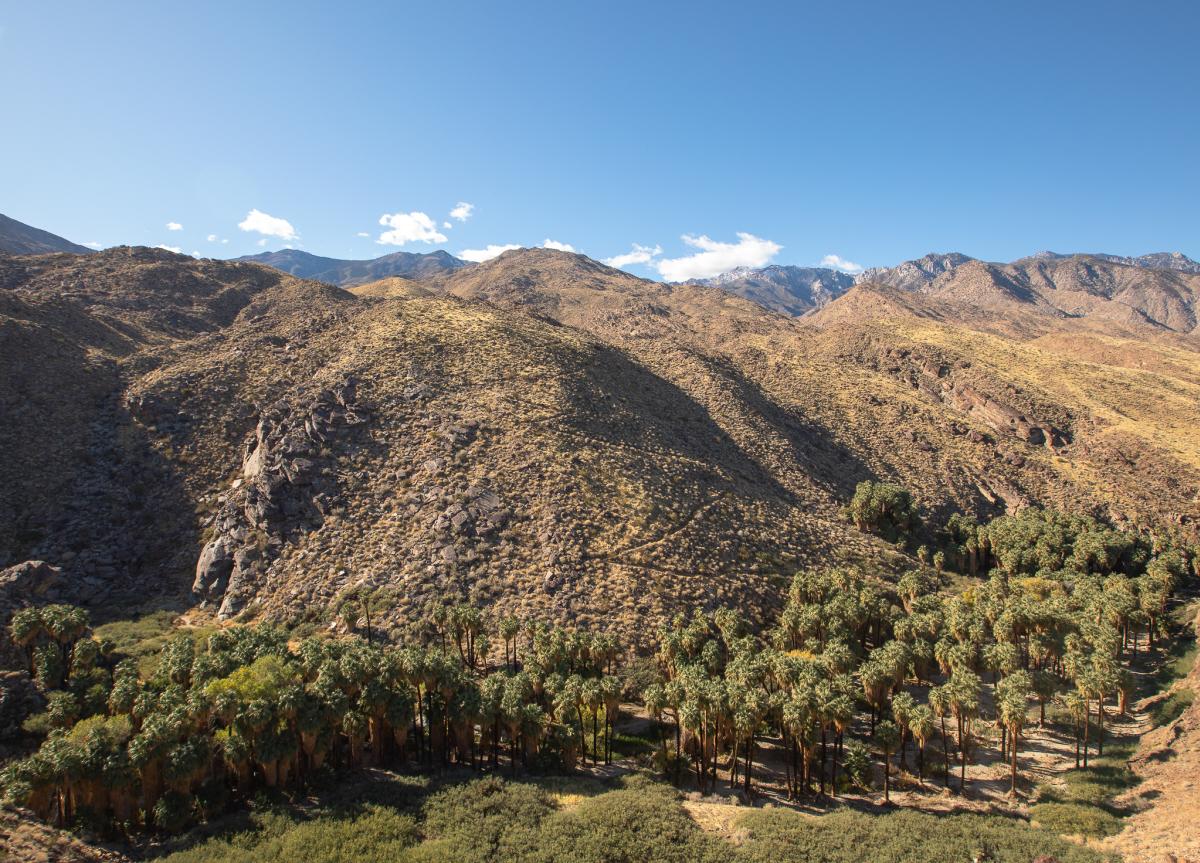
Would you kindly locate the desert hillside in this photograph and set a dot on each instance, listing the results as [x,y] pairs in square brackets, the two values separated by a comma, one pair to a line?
[539,432]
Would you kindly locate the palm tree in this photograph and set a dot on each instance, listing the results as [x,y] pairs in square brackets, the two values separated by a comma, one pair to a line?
[1012,703]
[510,628]
[887,735]
[610,692]
[876,682]
[939,703]
[920,725]
[27,627]
[964,704]
[903,705]
[655,700]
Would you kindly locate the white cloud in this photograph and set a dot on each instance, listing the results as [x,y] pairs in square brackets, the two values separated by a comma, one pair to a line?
[94,245]
[637,255]
[262,242]
[174,249]
[840,263]
[555,244]
[715,258]
[224,240]
[270,226]
[195,254]
[212,238]
[447,225]
[479,255]
[462,211]
[411,227]
[174,226]
[362,234]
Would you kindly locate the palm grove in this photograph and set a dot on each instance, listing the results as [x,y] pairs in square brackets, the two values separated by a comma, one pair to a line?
[856,664]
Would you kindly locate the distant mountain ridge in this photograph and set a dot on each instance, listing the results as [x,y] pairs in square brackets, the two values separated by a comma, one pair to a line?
[788,289]
[912,275]
[1160,291]
[346,273]
[17,238]
[1155,261]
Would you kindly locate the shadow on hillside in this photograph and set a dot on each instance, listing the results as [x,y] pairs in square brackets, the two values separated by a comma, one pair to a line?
[628,404]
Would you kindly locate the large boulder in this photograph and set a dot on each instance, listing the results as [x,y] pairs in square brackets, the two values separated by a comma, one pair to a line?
[213,569]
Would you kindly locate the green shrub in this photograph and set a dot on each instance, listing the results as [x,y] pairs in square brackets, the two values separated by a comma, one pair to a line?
[1076,819]
[488,819]
[1172,707]
[627,826]
[857,761]
[374,835]
[904,836]
[1102,781]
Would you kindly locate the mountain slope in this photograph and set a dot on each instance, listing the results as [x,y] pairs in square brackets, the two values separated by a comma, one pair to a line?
[1122,292]
[787,289]
[538,434]
[1154,261]
[411,265]
[17,238]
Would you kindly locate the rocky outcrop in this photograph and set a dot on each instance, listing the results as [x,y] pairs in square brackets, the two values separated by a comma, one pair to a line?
[286,486]
[33,581]
[951,384]
[1001,417]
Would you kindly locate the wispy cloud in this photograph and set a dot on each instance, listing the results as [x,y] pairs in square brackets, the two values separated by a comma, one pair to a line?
[637,255]
[839,263]
[94,245]
[362,234]
[555,244]
[174,226]
[486,254]
[715,257]
[259,222]
[462,211]
[414,227]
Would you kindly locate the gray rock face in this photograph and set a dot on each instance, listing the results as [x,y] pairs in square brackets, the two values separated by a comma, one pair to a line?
[213,569]
[285,487]
[786,289]
[914,275]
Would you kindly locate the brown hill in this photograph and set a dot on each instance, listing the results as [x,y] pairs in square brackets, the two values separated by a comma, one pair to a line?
[394,287]
[545,434]
[17,238]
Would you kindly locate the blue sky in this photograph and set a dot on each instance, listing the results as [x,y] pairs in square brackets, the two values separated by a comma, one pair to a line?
[874,132]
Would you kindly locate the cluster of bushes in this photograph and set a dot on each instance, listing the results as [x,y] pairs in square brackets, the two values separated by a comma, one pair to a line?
[883,508]
[241,709]
[495,821]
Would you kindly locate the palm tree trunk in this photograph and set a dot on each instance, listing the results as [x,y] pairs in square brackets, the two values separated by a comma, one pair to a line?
[749,760]
[1087,721]
[945,755]
[1013,789]
[887,774]
[833,780]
